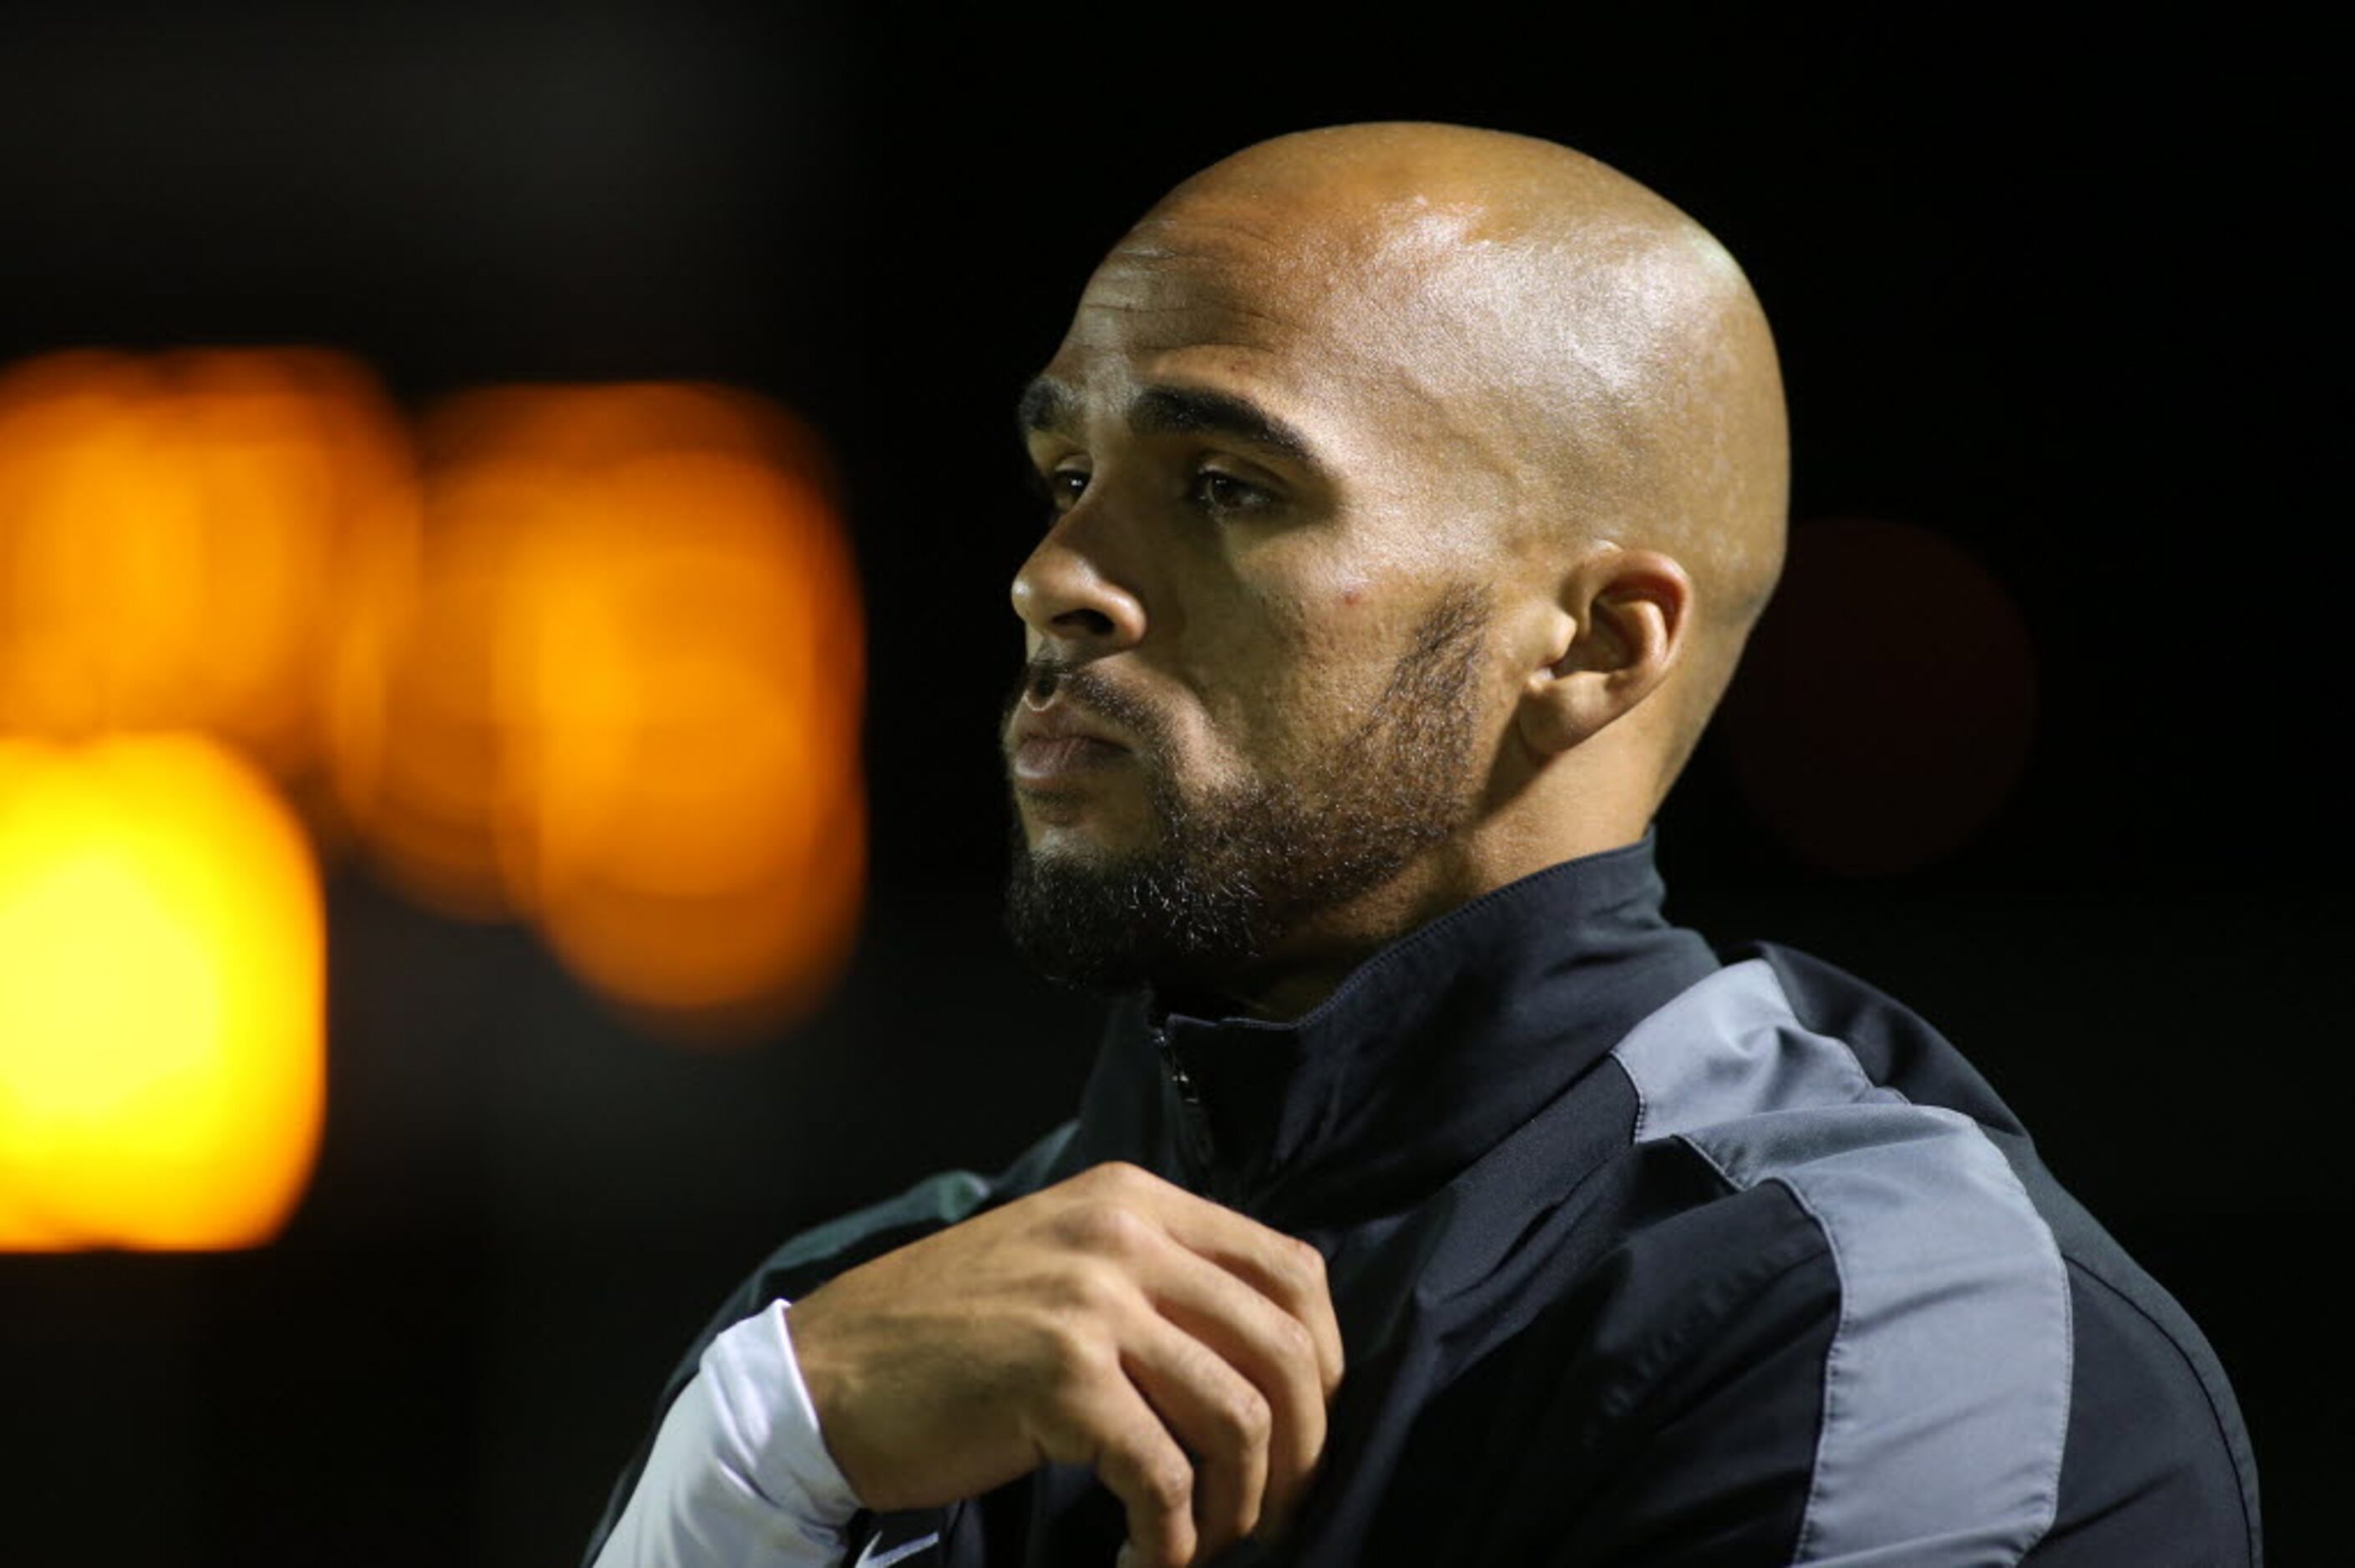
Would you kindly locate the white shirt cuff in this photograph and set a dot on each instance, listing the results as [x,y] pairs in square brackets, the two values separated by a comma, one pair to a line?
[739,1471]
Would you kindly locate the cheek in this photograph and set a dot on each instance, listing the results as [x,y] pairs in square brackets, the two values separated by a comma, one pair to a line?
[1293,659]
[1319,608]
[1351,624]
[1327,655]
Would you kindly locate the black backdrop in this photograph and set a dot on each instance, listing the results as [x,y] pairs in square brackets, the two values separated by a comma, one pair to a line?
[2055,290]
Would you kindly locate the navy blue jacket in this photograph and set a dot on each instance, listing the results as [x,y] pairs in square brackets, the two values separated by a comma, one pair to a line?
[1642,1254]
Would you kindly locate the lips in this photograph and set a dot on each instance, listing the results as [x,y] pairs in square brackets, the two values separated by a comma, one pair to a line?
[1058,743]
[1046,761]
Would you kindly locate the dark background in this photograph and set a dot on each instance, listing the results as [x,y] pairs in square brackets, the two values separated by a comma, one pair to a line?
[2055,291]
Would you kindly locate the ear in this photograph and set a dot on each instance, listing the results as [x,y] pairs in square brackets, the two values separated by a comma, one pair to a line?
[1620,622]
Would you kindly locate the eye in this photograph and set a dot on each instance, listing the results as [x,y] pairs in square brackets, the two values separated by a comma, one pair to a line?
[1064,486]
[1214,491]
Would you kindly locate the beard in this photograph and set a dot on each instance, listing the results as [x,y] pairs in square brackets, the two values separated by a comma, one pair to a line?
[1233,871]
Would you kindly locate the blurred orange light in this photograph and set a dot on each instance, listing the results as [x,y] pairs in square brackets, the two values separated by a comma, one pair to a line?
[625,699]
[161,997]
[181,535]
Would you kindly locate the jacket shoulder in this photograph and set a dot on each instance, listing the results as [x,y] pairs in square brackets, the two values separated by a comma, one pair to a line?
[2158,1467]
[1946,1379]
[1992,1342]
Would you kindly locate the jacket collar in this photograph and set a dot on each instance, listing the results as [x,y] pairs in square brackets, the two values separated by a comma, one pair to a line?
[1428,1055]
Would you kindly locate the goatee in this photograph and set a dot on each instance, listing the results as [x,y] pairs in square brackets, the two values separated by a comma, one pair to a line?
[1232,873]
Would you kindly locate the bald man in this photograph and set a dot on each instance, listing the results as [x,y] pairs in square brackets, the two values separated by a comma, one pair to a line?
[1411,490]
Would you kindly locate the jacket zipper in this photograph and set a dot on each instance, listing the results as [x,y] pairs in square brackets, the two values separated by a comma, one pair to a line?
[1193,1122]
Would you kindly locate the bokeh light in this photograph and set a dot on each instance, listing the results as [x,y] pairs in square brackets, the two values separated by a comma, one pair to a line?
[596,663]
[622,697]
[1886,705]
[162,997]
[182,537]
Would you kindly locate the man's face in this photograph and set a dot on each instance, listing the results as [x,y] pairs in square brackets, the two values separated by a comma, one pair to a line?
[1259,670]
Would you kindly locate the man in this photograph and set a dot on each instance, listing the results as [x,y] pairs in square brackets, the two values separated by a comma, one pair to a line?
[1434,1200]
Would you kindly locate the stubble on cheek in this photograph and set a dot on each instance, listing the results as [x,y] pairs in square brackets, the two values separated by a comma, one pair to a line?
[1234,861]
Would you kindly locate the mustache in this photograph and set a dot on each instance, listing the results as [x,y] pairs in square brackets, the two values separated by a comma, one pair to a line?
[1084,686]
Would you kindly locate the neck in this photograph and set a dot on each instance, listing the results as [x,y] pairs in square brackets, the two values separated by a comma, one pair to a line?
[1321,950]
[1416,1063]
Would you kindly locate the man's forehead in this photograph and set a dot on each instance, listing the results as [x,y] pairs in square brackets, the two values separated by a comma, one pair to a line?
[1152,296]
[1229,296]
[1281,266]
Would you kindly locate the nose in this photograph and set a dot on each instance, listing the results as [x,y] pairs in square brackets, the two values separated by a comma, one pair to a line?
[1066,594]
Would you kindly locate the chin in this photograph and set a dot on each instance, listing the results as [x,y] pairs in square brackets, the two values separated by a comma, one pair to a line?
[1076,832]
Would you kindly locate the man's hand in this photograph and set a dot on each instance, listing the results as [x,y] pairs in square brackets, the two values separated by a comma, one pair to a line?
[1185,1352]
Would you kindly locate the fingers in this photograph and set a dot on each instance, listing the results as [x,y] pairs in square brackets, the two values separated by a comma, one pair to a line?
[1269,1350]
[1132,1453]
[1234,1351]
[1284,1269]
[1218,1416]
[1113,1319]
[1246,1380]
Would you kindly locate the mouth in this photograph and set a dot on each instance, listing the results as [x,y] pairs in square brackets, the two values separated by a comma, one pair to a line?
[1059,745]
[1042,761]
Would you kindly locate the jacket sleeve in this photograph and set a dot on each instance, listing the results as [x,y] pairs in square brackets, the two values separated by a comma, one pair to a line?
[811,1258]
[1702,1434]
[1723,1391]
[1692,1421]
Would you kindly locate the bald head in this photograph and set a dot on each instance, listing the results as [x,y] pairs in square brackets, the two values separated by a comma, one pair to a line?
[1411,491]
[1587,350]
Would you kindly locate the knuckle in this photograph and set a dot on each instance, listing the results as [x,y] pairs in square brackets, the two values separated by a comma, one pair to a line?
[1297,1345]
[1301,1268]
[1118,1175]
[1170,1485]
[1249,1421]
[1085,1289]
[1073,1357]
[1104,1227]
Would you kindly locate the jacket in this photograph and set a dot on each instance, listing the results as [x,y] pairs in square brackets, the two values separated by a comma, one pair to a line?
[1642,1253]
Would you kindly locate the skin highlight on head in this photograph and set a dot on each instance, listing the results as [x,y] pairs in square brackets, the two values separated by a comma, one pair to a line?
[1413,359]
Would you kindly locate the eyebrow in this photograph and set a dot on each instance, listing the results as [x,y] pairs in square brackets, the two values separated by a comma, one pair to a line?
[1049,405]
[1046,406]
